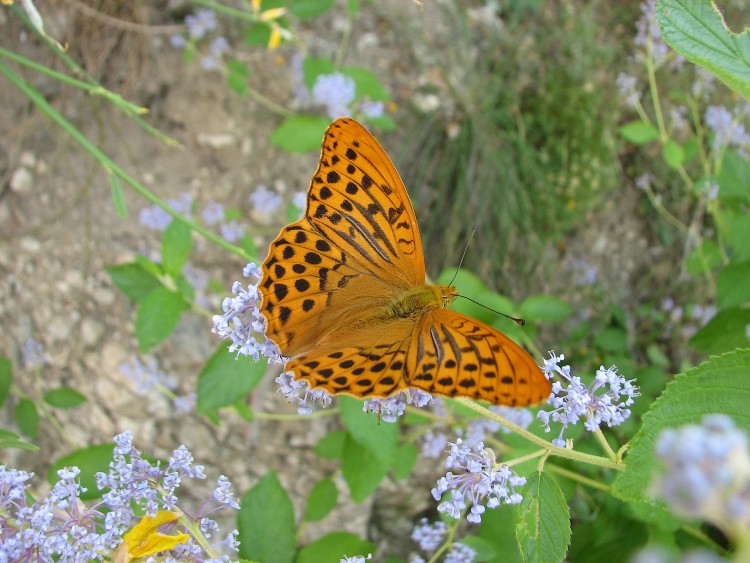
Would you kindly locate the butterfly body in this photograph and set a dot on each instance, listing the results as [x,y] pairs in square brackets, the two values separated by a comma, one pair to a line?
[344,293]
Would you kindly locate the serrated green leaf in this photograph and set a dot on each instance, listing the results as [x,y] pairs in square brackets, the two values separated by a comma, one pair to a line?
[331,446]
[6,378]
[380,438]
[696,30]
[226,378]
[367,84]
[734,178]
[543,529]
[673,154]
[639,132]
[177,242]
[322,500]
[726,331]
[545,308]
[307,9]
[406,458]
[157,317]
[362,469]
[734,286]
[64,398]
[133,280]
[266,522]
[719,385]
[313,67]
[118,197]
[333,547]
[89,460]
[301,133]
[27,418]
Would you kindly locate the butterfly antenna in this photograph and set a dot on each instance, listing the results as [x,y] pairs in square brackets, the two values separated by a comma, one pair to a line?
[463,255]
[514,319]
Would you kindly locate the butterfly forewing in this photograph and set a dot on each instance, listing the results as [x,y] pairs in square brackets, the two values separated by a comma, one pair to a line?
[454,355]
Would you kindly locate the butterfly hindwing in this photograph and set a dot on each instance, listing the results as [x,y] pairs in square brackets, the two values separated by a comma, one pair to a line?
[454,355]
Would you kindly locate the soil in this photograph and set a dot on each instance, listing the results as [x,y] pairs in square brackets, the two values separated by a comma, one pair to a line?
[59,229]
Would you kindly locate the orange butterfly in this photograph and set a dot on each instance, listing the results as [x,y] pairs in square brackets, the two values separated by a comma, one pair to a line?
[344,294]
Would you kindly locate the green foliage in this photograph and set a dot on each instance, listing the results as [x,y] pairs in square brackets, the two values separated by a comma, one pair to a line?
[333,547]
[6,378]
[696,30]
[322,500]
[226,378]
[90,460]
[543,527]
[64,398]
[266,522]
[157,317]
[27,417]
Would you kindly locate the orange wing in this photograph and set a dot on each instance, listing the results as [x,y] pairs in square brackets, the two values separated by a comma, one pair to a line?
[451,354]
[357,245]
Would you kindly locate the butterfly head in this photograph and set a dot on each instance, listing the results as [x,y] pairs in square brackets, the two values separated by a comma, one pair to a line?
[447,293]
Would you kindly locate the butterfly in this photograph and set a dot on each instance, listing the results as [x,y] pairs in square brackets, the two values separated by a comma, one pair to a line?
[344,295]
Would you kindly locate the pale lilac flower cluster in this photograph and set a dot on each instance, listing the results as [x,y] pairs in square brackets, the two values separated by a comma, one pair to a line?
[336,92]
[213,214]
[146,377]
[647,30]
[479,427]
[33,354]
[577,400]
[429,536]
[200,23]
[627,86]
[299,391]
[218,47]
[300,201]
[59,526]
[460,553]
[242,322]
[391,408]
[154,217]
[587,274]
[433,443]
[706,471]
[356,558]
[265,201]
[727,128]
[479,483]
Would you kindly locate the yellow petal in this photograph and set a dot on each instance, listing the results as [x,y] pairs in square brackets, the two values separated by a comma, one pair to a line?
[6,1]
[275,39]
[256,5]
[144,539]
[272,14]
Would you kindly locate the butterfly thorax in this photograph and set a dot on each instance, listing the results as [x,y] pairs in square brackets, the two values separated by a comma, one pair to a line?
[420,299]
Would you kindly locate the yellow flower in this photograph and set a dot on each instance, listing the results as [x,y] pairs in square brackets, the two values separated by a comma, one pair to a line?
[144,539]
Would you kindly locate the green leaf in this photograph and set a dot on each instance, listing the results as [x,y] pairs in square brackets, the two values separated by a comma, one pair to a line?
[673,154]
[543,528]
[367,84]
[177,242]
[258,35]
[739,234]
[704,258]
[333,547]
[734,285]
[331,446]
[381,438]
[313,67]
[406,458]
[227,378]
[11,440]
[27,418]
[89,460]
[639,132]
[238,75]
[266,523]
[382,122]
[322,500]
[157,317]
[301,133]
[362,469]
[612,339]
[64,398]
[484,549]
[696,30]
[719,385]
[306,9]
[133,280]
[498,529]
[149,265]
[734,177]
[545,308]
[726,331]
[6,378]
[118,197]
